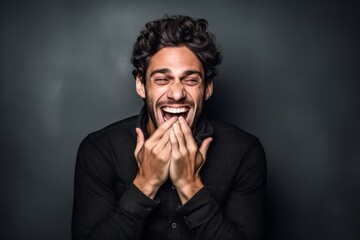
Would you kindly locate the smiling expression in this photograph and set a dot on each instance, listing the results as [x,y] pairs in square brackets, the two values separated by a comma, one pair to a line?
[174,86]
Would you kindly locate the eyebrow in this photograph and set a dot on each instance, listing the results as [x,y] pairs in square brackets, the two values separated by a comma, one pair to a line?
[190,72]
[160,70]
[167,71]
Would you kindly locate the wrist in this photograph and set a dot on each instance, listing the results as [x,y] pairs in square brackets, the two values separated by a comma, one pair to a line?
[187,191]
[145,186]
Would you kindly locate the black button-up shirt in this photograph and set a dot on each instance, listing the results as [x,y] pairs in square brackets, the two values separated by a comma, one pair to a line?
[107,205]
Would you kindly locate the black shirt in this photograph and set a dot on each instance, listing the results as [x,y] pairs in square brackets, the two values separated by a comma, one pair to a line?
[107,205]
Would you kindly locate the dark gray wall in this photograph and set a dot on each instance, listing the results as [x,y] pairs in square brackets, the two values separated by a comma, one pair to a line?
[289,76]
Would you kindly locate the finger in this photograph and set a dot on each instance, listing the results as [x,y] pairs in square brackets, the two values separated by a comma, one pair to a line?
[159,132]
[189,139]
[174,145]
[180,137]
[205,146]
[165,153]
[162,142]
[139,141]
[167,149]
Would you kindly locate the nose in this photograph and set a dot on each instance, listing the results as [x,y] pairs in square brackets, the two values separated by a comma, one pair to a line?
[176,92]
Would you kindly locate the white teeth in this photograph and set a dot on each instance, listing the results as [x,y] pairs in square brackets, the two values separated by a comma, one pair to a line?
[165,119]
[175,110]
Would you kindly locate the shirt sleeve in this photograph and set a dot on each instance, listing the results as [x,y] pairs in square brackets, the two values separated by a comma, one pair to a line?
[242,217]
[98,212]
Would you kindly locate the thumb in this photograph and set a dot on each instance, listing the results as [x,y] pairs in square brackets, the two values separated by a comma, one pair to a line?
[205,146]
[139,141]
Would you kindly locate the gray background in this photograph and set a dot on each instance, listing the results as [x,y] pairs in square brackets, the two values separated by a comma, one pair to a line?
[289,76]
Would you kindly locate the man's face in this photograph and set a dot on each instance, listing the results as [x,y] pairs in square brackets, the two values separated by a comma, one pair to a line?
[174,86]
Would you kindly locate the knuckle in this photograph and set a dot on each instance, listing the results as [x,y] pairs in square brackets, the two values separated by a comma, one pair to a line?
[178,156]
[164,158]
[184,152]
[146,145]
[192,148]
[175,156]
[154,151]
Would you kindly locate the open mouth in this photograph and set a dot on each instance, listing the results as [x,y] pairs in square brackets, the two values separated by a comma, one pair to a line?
[169,112]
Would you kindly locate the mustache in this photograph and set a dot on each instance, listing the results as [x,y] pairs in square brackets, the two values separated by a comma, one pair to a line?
[172,102]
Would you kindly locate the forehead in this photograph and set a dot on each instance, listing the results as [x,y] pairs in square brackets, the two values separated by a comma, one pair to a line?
[176,59]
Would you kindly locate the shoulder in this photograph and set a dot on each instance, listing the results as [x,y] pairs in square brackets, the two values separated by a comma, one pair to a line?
[120,131]
[232,153]
[231,134]
[230,140]
[100,149]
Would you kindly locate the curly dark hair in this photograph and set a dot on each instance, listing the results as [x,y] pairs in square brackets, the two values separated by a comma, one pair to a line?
[176,31]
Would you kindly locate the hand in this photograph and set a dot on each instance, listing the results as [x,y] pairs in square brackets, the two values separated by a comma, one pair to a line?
[153,158]
[187,160]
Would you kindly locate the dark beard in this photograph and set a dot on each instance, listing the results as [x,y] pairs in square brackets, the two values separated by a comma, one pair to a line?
[151,113]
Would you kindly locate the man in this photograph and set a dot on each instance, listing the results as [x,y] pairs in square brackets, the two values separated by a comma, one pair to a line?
[170,173]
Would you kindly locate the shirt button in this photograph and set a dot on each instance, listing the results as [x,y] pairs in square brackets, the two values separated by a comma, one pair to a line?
[173,225]
[173,187]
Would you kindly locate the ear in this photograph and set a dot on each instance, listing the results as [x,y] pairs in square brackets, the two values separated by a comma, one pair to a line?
[140,87]
[208,89]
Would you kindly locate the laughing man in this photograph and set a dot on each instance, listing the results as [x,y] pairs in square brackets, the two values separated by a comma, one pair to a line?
[171,173]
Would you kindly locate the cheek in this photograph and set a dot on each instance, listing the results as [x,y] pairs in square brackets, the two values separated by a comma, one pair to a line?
[159,95]
[153,94]
[197,95]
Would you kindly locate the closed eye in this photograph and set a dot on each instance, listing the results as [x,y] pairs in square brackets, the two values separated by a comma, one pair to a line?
[161,81]
[191,81]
